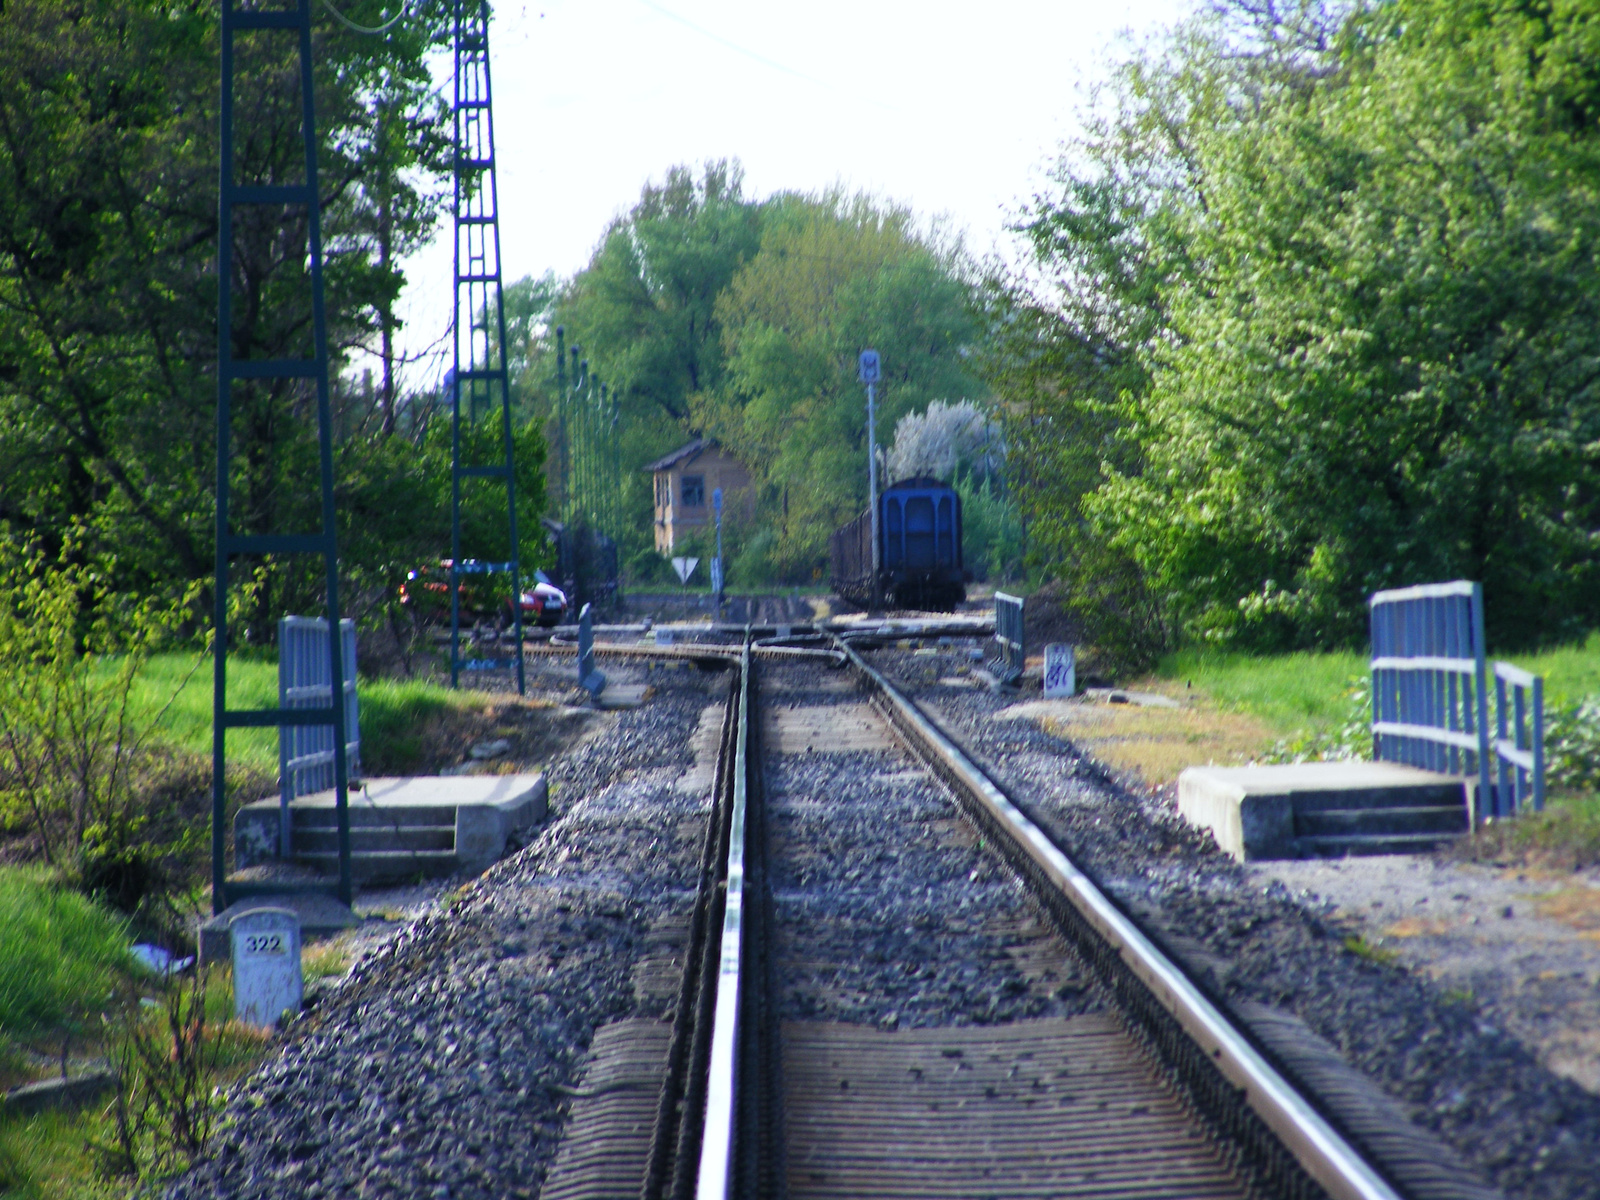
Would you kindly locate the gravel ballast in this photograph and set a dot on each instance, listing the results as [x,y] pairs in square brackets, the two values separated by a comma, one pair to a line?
[1454,1069]
[888,911]
[443,1067]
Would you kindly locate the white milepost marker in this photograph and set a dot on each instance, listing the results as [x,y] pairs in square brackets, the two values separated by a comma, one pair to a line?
[266,965]
[1060,669]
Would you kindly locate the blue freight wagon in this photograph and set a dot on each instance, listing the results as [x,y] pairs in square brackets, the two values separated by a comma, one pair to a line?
[919,523]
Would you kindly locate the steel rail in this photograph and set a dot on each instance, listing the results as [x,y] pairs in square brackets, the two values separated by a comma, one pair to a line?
[1321,1151]
[715,1175]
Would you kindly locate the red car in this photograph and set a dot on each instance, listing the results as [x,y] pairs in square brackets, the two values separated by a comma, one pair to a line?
[426,592]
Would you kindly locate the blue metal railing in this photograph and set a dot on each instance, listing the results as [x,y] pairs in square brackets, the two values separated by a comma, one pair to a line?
[305,752]
[1008,633]
[1429,700]
[1519,741]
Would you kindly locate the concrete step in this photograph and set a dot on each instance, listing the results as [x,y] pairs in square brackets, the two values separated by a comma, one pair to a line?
[363,815]
[1372,843]
[401,827]
[384,866]
[368,839]
[1444,794]
[1302,809]
[1389,820]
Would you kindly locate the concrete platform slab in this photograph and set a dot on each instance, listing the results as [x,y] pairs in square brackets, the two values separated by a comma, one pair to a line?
[1305,810]
[402,827]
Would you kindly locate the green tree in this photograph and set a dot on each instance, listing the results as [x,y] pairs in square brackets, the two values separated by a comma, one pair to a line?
[834,276]
[1311,314]
[642,317]
[108,168]
[1384,374]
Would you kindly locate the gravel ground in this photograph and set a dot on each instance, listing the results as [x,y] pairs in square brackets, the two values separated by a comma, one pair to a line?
[1442,1052]
[442,1067]
[887,909]
[1524,944]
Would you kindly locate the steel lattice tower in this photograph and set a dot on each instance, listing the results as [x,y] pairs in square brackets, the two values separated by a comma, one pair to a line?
[479,322]
[235,366]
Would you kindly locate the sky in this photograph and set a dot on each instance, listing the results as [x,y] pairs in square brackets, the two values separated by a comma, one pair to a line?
[956,110]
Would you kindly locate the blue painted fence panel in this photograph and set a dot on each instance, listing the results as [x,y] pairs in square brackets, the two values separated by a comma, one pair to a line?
[305,752]
[1429,699]
[1008,633]
[1519,741]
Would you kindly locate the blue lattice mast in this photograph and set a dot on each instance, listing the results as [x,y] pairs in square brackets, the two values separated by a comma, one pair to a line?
[479,322]
[234,366]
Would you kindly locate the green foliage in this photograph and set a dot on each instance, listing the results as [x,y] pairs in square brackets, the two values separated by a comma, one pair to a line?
[1285,690]
[991,530]
[1382,956]
[108,271]
[63,954]
[1564,837]
[833,275]
[393,712]
[78,764]
[168,1059]
[1572,746]
[754,565]
[1350,739]
[642,316]
[1326,323]
[704,311]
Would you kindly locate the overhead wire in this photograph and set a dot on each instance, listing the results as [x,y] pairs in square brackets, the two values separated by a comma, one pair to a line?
[405,8]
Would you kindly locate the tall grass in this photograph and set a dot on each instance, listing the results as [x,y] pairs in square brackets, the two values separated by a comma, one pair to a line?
[1287,691]
[1570,672]
[393,711]
[60,953]
[1294,691]
[181,684]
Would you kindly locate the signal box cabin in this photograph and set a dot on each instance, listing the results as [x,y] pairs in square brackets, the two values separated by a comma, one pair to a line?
[684,481]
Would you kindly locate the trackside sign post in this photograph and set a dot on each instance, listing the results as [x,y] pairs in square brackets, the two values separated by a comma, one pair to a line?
[870,370]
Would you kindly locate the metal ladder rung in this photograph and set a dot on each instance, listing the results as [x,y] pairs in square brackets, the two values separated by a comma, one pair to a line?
[277,543]
[266,718]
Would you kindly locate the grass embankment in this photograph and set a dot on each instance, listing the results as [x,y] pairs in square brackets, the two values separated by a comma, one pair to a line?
[70,990]
[1294,691]
[393,712]
[68,984]
[63,955]
[64,958]
[1293,698]
[1232,709]
[1240,708]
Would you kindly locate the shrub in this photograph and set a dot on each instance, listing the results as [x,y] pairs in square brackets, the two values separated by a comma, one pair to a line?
[77,755]
[1350,739]
[1572,745]
[168,1057]
[754,566]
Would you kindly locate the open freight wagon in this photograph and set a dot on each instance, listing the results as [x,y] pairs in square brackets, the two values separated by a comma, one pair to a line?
[919,525]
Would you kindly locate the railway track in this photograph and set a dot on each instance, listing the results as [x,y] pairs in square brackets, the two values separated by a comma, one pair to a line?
[894,984]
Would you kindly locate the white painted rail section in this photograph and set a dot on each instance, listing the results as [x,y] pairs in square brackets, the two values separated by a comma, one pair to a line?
[1316,1145]
[716,1145]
